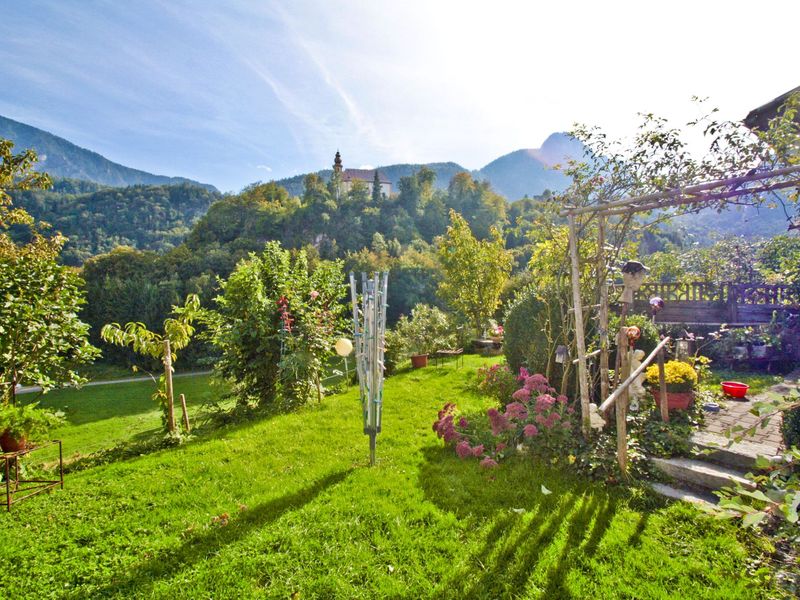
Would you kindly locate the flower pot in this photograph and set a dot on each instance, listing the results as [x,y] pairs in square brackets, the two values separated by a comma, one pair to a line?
[759,351]
[675,400]
[419,360]
[740,352]
[11,444]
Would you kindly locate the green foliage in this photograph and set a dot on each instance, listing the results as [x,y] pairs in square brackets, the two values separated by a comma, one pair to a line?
[27,421]
[428,330]
[178,331]
[276,325]
[42,340]
[475,271]
[154,218]
[533,330]
[791,427]
[497,381]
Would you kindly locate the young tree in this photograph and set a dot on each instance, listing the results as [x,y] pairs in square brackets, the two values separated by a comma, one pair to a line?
[178,332]
[42,341]
[475,271]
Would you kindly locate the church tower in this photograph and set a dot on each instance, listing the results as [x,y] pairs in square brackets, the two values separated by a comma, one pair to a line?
[337,163]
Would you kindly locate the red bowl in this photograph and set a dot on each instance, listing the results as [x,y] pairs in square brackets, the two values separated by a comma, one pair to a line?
[735,388]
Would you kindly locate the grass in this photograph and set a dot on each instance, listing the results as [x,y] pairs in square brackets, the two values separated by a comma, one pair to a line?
[287,507]
[758,381]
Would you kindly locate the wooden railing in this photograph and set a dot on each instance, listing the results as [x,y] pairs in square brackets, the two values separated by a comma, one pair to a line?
[701,291]
[619,398]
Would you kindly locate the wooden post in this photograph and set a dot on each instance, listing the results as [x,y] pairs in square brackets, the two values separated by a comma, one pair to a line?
[168,380]
[603,300]
[580,341]
[621,406]
[186,425]
[662,387]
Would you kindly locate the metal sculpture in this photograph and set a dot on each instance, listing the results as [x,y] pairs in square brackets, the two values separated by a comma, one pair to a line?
[369,332]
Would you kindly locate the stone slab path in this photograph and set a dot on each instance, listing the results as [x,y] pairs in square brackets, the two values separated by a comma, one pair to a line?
[737,412]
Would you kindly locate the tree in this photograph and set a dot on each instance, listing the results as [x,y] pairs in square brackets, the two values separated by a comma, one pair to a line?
[376,189]
[178,332]
[42,340]
[475,271]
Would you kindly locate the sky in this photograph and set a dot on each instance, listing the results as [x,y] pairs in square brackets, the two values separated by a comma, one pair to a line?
[238,91]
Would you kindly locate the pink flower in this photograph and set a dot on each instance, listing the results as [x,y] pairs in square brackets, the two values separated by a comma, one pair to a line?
[517,411]
[498,421]
[544,402]
[314,294]
[522,395]
[463,423]
[463,450]
[523,374]
[537,383]
[570,410]
[530,430]
[477,450]
[500,447]
[562,399]
[488,463]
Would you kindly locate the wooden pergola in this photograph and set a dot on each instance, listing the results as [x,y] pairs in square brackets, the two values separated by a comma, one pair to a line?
[693,197]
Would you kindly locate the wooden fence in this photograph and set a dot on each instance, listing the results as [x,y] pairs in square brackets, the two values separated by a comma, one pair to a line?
[713,304]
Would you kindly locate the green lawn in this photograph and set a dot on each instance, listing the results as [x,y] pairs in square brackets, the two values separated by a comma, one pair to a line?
[288,507]
[758,381]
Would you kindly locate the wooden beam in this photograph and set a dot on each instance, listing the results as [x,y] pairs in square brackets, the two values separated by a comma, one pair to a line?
[662,387]
[621,408]
[580,341]
[677,192]
[602,284]
[701,198]
[609,402]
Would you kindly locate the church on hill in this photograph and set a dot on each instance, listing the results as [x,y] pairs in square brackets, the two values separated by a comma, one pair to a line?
[349,176]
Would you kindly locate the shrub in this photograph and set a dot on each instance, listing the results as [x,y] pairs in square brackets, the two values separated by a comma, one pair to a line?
[680,376]
[649,332]
[791,427]
[28,421]
[498,382]
[532,332]
[276,326]
[428,330]
[536,421]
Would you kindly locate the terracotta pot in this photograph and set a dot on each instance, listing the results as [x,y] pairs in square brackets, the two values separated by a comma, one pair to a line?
[675,400]
[11,444]
[419,360]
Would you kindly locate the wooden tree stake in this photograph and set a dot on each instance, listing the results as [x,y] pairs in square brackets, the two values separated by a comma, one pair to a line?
[168,380]
[621,406]
[603,313]
[580,342]
[186,425]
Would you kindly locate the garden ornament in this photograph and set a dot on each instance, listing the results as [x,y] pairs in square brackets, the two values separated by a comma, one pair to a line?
[656,304]
[343,347]
[633,275]
[636,389]
[596,420]
[369,329]
[633,333]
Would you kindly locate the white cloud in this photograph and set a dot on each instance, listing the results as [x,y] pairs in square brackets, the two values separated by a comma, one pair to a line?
[266,168]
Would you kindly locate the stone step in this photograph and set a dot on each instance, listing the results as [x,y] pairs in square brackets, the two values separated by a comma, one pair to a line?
[678,493]
[740,455]
[701,474]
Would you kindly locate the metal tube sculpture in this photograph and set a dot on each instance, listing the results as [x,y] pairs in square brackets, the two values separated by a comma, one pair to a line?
[369,331]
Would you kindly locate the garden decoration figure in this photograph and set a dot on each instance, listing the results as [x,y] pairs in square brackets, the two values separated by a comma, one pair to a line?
[596,420]
[656,304]
[369,330]
[634,333]
[636,389]
[633,274]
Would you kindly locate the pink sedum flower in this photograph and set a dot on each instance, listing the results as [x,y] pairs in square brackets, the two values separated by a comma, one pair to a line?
[463,450]
[498,421]
[501,446]
[522,395]
[530,430]
[488,463]
[523,374]
[516,410]
[477,450]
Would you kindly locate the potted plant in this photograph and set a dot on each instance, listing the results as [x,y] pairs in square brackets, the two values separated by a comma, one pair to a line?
[737,342]
[427,331]
[681,379]
[20,425]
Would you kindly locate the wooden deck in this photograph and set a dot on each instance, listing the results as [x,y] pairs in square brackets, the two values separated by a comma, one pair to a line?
[701,303]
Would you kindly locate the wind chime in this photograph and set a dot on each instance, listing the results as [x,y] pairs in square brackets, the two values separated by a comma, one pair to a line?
[369,331]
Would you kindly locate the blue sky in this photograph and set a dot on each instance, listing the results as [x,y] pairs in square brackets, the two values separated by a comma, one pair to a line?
[238,91]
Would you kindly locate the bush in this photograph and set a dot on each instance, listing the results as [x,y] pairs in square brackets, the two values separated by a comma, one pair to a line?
[532,331]
[428,330]
[791,427]
[649,338]
[28,422]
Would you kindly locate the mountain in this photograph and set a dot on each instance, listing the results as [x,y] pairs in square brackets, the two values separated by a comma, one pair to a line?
[61,158]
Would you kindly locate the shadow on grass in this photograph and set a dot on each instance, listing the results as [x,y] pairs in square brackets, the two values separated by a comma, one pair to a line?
[531,538]
[139,580]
